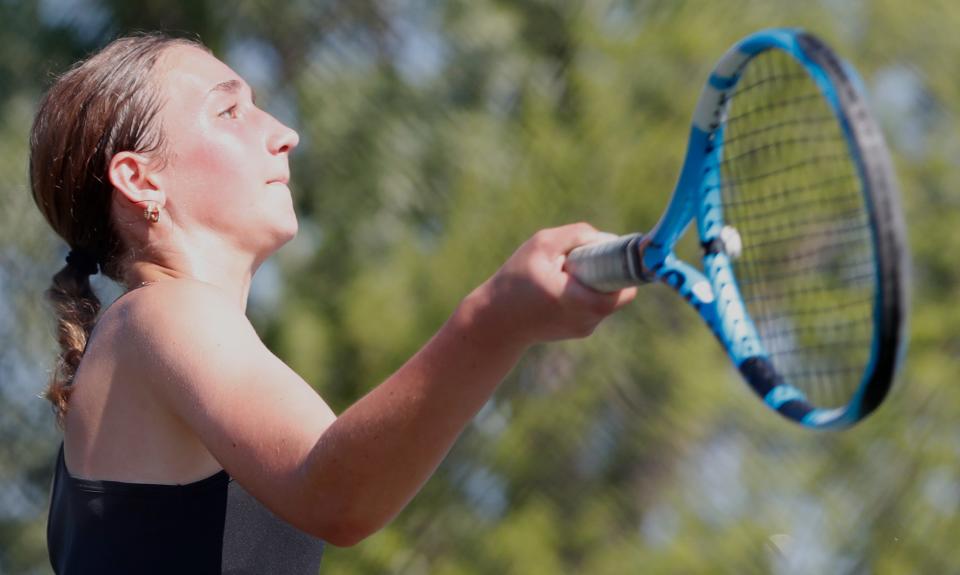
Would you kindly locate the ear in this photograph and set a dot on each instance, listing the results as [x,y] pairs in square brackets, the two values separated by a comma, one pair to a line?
[132,175]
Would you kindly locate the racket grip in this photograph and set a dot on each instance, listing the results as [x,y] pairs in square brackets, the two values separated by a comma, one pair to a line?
[609,265]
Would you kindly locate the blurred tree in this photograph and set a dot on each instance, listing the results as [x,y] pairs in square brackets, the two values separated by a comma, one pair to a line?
[435,137]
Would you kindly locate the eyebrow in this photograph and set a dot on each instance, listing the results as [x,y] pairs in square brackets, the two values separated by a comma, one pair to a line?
[233,87]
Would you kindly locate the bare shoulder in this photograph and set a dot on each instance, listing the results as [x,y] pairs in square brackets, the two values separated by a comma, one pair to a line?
[188,341]
[184,324]
[174,331]
[192,337]
[204,361]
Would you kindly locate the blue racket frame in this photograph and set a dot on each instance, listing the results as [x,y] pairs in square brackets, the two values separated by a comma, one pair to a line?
[714,293]
[697,195]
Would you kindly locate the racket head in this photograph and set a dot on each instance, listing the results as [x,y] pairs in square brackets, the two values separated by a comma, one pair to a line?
[786,161]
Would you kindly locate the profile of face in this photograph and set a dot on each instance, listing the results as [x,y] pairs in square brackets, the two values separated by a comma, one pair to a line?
[225,178]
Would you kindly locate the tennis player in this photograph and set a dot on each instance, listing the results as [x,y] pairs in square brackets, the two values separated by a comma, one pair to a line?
[188,446]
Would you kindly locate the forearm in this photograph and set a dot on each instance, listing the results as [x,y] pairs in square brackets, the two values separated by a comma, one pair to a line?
[377,455]
[370,462]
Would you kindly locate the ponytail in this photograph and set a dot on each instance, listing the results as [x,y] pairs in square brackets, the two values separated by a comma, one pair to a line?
[76,307]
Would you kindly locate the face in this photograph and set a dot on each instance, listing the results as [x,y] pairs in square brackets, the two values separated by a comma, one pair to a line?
[227,168]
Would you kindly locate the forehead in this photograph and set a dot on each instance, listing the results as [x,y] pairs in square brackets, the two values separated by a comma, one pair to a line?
[189,73]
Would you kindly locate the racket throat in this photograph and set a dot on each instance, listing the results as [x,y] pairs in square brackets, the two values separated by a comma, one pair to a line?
[762,376]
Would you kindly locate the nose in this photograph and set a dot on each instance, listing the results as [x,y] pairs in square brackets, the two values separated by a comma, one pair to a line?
[283,139]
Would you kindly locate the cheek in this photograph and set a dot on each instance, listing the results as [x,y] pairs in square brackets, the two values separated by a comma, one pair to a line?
[206,173]
[218,182]
[211,160]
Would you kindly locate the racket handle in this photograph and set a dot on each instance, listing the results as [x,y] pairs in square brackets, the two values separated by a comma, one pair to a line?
[609,265]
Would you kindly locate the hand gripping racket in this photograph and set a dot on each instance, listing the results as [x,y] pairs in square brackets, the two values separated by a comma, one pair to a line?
[796,205]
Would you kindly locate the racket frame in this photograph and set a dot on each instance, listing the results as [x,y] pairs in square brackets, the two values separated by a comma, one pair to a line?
[714,292]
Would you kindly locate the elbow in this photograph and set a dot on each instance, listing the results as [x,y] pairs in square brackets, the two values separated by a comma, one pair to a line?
[344,533]
[346,538]
[343,517]
[342,525]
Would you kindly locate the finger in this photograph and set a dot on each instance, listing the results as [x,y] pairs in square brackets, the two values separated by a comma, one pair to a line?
[565,238]
[613,301]
[625,296]
[597,302]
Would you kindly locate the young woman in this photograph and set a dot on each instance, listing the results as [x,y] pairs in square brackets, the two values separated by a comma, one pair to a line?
[188,446]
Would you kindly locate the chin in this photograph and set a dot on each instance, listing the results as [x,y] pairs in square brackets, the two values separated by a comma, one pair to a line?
[285,232]
[290,225]
[282,233]
[278,238]
[275,228]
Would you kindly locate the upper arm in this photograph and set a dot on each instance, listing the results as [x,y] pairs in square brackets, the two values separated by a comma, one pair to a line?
[204,361]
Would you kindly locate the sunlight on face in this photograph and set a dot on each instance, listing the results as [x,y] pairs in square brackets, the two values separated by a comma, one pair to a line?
[228,166]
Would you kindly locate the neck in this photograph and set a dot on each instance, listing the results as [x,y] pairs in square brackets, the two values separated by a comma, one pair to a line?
[233,274]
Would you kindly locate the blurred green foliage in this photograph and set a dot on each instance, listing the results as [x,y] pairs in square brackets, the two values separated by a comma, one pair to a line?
[435,137]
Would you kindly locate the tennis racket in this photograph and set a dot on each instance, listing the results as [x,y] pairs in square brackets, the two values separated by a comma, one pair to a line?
[804,277]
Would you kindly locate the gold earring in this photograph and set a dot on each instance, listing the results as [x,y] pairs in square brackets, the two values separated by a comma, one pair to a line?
[152,213]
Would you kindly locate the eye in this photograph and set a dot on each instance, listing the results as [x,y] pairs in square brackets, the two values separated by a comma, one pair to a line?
[230,112]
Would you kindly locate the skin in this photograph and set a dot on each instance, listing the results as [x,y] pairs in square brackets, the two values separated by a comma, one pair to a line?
[175,383]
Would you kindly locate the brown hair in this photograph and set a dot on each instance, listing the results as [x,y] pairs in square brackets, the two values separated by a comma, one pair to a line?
[103,105]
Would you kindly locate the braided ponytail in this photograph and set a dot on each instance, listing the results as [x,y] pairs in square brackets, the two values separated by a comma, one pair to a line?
[76,307]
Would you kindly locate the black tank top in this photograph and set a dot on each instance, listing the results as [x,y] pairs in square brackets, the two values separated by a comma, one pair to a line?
[206,527]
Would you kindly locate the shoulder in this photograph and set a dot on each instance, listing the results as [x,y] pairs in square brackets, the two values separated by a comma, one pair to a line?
[192,346]
[177,309]
[183,326]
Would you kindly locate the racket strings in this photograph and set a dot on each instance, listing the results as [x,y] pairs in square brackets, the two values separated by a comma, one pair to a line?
[777,126]
[817,311]
[826,327]
[746,86]
[775,146]
[811,310]
[838,236]
[821,347]
[860,274]
[782,172]
[807,272]
[843,217]
[773,197]
[787,103]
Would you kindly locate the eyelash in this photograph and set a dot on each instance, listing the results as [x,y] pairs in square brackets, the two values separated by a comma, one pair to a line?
[232,111]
